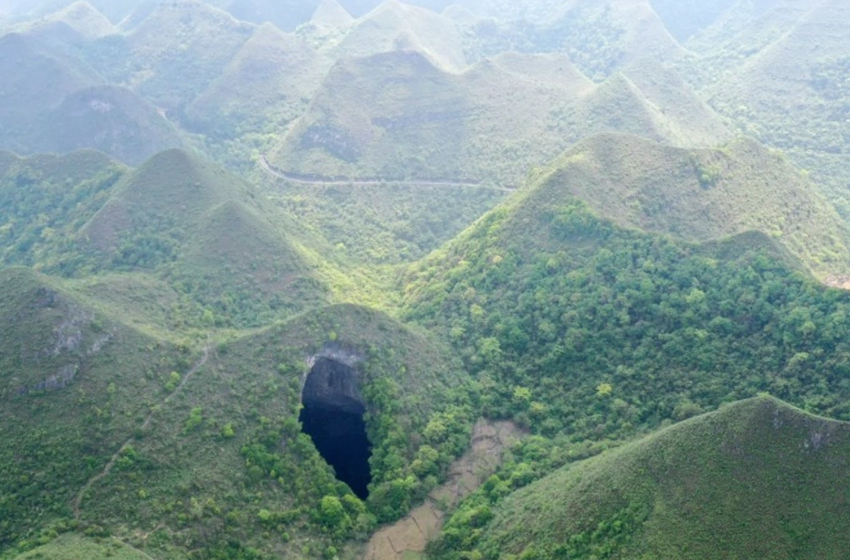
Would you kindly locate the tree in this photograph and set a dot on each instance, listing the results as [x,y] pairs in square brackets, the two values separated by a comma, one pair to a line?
[332,513]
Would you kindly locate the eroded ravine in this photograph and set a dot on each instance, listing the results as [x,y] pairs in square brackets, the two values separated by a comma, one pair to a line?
[406,539]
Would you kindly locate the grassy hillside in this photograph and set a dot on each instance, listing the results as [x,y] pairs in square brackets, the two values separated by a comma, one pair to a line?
[36,79]
[700,195]
[394,25]
[780,73]
[73,547]
[267,84]
[112,120]
[600,37]
[203,230]
[221,444]
[178,221]
[411,181]
[492,123]
[75,383]
[572,323]
[178,51]
[85,19]
[386,225]
[46,200]
[110,431]
[757,479]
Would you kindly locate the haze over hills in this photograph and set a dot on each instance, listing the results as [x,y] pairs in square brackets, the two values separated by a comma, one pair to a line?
[394,26]
[180,48]
[789,90]
[82,17]
[36,78]
[275,276]
[113,120]
[268,83]
[700,195]
[403,132]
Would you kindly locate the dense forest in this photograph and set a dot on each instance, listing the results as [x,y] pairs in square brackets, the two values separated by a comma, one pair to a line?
[425,279]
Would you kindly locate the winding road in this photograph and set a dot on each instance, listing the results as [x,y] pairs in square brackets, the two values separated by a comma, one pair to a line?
[318,181]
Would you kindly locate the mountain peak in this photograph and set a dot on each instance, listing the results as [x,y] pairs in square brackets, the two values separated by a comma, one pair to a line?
[84,19]
[331,14]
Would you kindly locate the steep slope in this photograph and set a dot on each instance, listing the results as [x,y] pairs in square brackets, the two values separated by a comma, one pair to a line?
[267,84]
[72,547]
[67,29]
[247,455]
[74,383]
[701,195]
[191,221]
[45,200]
[493,122]
[396,26]
[600,36]
[788,87]
[36,79]
[575,324]
[693,491]
[112,120]
[686,19]
[113,10]
[688,119]
[84,19]
[103,423]
[285,14]
[179,50]
[331,14]
[636,29]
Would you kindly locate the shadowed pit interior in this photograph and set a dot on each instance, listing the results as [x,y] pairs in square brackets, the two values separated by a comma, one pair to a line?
[333,417]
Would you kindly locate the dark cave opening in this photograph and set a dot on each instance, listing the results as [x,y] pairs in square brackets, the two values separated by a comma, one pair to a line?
[333,416]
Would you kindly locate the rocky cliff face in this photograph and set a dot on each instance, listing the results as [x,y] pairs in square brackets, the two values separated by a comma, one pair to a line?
[333,385]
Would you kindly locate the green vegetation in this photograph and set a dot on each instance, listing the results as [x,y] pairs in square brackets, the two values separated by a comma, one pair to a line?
[533,211]
[267,84]
[557,301]
[780,74]
[177,217]
[79,383]
[74,547]
[697,490]
[492,123]
[45,201]
[700,195]
[225,460]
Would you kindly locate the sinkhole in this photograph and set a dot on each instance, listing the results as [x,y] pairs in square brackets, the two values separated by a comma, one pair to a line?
[332,414]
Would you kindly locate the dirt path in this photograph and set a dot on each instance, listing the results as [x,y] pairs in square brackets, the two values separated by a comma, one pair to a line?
[78,500]
[267,167]
[406,539]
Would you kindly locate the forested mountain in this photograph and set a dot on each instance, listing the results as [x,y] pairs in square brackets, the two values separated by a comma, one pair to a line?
[408,280]
[630,503]
[473,127]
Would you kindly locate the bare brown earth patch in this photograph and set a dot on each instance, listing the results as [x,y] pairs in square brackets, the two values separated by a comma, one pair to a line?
[406,539]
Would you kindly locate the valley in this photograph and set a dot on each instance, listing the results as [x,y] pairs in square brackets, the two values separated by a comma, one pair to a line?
[424,280]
